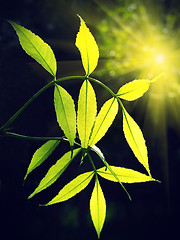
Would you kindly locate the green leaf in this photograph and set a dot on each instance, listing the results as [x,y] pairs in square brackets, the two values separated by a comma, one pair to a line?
[36,48]
[98,207]
[135,139]
[72,188]
[104,120]
[88,48]
[42,154]
[124,175]
[55,171]
[87,109]
[65,113]
[133,90]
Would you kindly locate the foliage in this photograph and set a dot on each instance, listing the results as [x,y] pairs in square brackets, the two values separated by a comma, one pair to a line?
[84,129]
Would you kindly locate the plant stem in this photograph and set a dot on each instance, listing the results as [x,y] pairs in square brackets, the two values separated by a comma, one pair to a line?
[113,173]
[35,96]
[15,135]
[102,85]
[89,156]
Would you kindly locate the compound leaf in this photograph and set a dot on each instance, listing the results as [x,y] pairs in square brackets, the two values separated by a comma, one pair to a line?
[133,90]
[65,113]
[98,207]
[72,188]
[87,109]
[104,120]
[125,175]
[36,48]
[42,154]
[88,48]
[135,139]
[55,171]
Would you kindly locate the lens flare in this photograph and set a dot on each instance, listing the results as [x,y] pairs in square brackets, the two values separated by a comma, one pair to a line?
[141,40]
[159,58]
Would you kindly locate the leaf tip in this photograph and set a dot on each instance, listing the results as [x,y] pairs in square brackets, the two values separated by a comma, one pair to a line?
[31,195]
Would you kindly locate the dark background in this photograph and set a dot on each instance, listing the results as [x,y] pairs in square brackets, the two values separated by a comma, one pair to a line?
[154,211]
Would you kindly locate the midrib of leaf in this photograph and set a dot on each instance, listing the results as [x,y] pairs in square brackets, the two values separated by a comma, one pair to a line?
[86,110]
[86,48]
[103,120]
[63,109]
[118,175]
[38,52]
[130,91]
[97,203]
[52,179]
[147,168]
[77,185]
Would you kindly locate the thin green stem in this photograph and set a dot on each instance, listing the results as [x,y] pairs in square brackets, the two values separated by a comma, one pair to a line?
[90,158]
[6,125]
[15,135]
[102,85]
[113,173]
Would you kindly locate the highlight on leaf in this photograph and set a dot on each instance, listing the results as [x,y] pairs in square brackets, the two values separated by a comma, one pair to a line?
[65,113]
[42,154]
[72,188]
[34,46]
[55,171]
[125,175]
[104,120]
[88,48]
[98,207]
[134,90]
[135,139]
[87,109]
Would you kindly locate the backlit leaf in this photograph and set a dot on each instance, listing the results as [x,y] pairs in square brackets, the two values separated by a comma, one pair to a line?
[87,109]
[42,154]
[104,120]
[36,48]
[65,113]
[135,139]
[133,90]
[55,171]
[72,188]
[88,48]
[98,207]
[125,175]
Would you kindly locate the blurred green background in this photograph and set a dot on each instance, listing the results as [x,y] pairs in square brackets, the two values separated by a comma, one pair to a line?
[137,39]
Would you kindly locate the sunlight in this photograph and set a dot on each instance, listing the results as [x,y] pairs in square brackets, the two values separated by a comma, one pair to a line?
[159,58]
[139,43]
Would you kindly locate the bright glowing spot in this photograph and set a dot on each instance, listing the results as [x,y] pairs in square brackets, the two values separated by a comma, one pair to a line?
[159,58]
[141,44]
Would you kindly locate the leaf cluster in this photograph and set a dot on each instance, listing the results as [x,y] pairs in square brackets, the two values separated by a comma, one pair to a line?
[86,127]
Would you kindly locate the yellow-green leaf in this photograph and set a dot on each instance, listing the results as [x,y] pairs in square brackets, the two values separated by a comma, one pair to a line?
[55,171]
[65,112]
[98,207]
[36,48]
[125,175]
[104,120]
[135,139]
[42,154]
[88,48]
[72,188]
[87,109]
[133,90]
